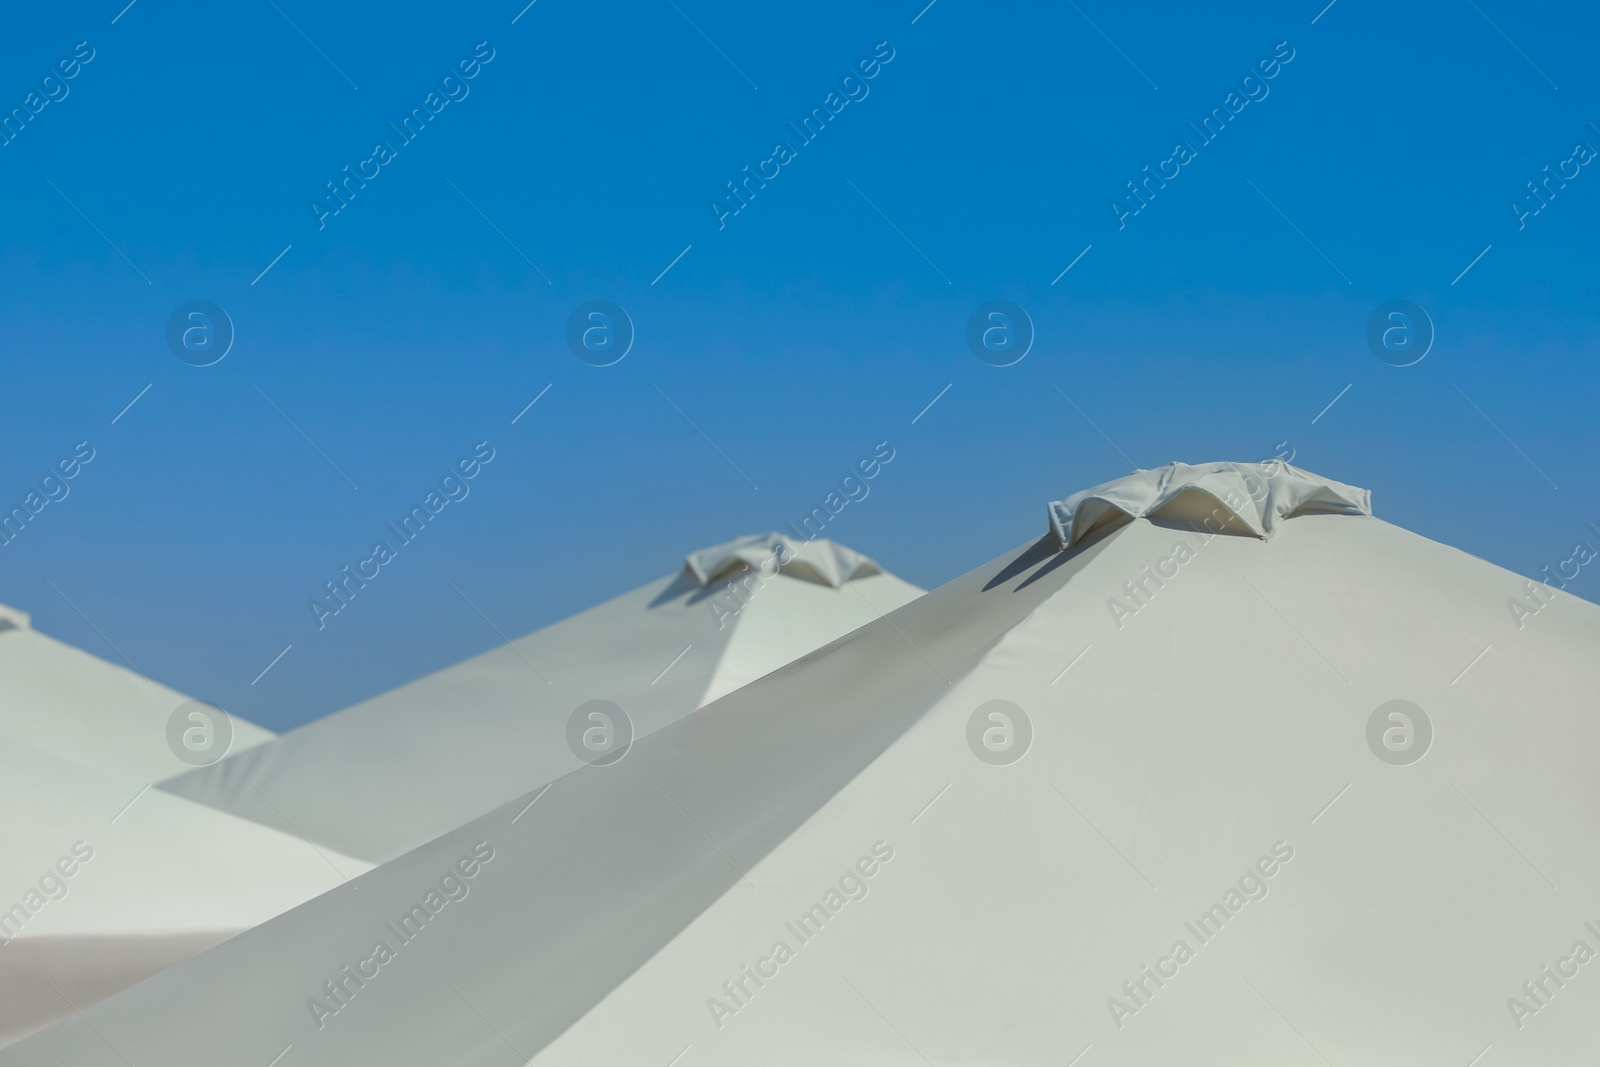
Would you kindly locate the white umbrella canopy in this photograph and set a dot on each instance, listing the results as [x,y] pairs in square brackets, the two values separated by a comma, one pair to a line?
[102,881]
[105,881]
[59,699]
[390,773]
[1146,799]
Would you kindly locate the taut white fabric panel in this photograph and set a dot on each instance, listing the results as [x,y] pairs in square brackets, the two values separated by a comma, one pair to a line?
[105,881]
[92,712]
[383,776]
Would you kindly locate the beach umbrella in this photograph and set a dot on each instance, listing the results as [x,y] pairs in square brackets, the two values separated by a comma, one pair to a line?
[390,773]
[62,700]
[104,880]
[1221,770]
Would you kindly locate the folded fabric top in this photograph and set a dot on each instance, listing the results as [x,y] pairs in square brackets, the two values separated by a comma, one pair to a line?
[822,561]
[1251,497]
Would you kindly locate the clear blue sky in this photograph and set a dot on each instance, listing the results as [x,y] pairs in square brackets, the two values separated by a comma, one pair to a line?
[1375,165]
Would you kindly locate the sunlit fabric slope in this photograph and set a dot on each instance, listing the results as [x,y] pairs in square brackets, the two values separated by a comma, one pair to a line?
[81,739]
[1216,725]
[62,700]
[392,772]
[104,881]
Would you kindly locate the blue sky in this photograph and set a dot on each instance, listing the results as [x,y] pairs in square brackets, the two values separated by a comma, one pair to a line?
[1377,164]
